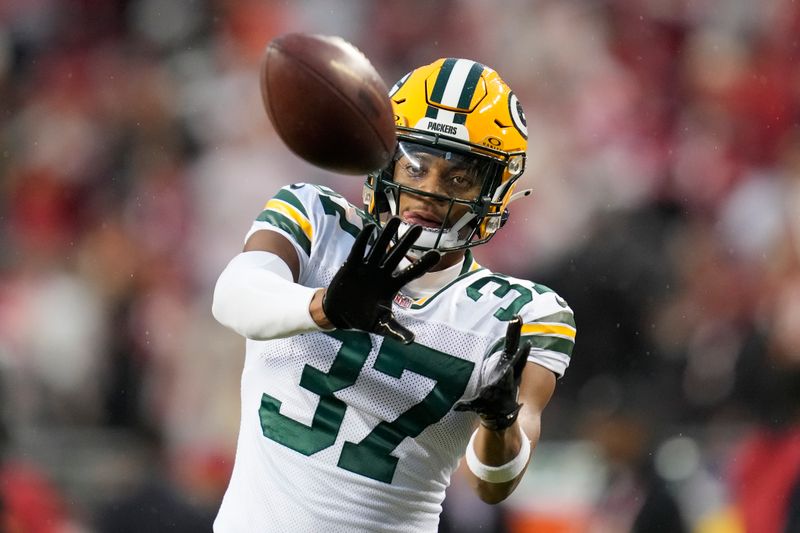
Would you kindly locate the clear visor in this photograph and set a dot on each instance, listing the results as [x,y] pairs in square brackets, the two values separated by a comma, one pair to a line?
[442,172]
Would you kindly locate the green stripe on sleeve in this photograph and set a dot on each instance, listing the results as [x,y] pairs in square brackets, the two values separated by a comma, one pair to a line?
[542,342]
[288,225]
[554,344]
[292,200]
[562,317]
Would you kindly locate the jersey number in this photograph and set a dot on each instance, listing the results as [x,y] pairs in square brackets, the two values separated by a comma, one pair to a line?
[503,287]
[372,456]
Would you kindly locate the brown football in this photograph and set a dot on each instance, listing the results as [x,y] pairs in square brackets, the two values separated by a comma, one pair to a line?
[328,103]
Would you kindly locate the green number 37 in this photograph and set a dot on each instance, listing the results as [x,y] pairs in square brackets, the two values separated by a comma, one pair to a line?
[372,456]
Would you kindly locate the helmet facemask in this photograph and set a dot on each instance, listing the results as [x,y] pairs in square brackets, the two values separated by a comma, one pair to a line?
[470,200]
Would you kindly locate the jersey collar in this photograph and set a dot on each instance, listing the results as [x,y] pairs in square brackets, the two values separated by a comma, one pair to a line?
[430,282]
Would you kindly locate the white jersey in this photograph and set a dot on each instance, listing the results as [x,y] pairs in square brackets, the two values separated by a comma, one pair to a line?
[346,431]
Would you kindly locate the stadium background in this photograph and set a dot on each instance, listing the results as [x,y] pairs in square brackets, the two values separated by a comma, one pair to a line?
[664,154]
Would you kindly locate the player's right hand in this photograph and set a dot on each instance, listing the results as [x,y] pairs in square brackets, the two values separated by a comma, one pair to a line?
[361,293]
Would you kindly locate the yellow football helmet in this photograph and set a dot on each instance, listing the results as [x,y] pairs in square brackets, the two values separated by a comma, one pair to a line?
[456,108]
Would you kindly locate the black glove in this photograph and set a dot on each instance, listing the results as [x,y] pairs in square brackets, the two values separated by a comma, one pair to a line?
[496,400]
[361,293]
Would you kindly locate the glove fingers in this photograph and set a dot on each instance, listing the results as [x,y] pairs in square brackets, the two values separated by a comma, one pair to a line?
[360,244]
[384,239]
[400,249]
[510,365]
[403,245]
[391,328]
[418,268]
[466,405]
[512,335]
[477,404]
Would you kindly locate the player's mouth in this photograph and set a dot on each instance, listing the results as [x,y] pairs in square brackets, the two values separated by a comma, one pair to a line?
[425,219]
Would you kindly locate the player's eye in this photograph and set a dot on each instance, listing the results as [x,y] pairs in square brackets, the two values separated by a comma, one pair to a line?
[414,170]
[462,181]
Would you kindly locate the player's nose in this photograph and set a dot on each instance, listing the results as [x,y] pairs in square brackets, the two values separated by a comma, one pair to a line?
[433,183]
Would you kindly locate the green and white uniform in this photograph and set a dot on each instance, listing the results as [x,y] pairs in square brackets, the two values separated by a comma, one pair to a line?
[346,431]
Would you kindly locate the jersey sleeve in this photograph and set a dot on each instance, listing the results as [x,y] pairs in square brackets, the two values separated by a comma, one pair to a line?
[290,213]
[549,327]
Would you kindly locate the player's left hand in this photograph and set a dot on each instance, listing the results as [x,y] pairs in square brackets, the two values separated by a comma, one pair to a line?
[361,293]
[498,389]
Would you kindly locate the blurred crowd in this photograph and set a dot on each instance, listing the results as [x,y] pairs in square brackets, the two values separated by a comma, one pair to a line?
[664,156]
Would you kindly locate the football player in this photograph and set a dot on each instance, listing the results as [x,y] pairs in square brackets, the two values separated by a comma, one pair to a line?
[379,352]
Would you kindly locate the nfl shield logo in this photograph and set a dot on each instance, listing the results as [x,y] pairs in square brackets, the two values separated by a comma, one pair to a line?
[403,300]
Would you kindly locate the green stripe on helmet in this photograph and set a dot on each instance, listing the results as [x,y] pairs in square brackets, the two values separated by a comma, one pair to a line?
[400,83]
[470,84]
[441,80]
[468,91]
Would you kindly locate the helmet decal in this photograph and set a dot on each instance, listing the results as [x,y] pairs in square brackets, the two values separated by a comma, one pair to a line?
[435,126]
[517,115]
